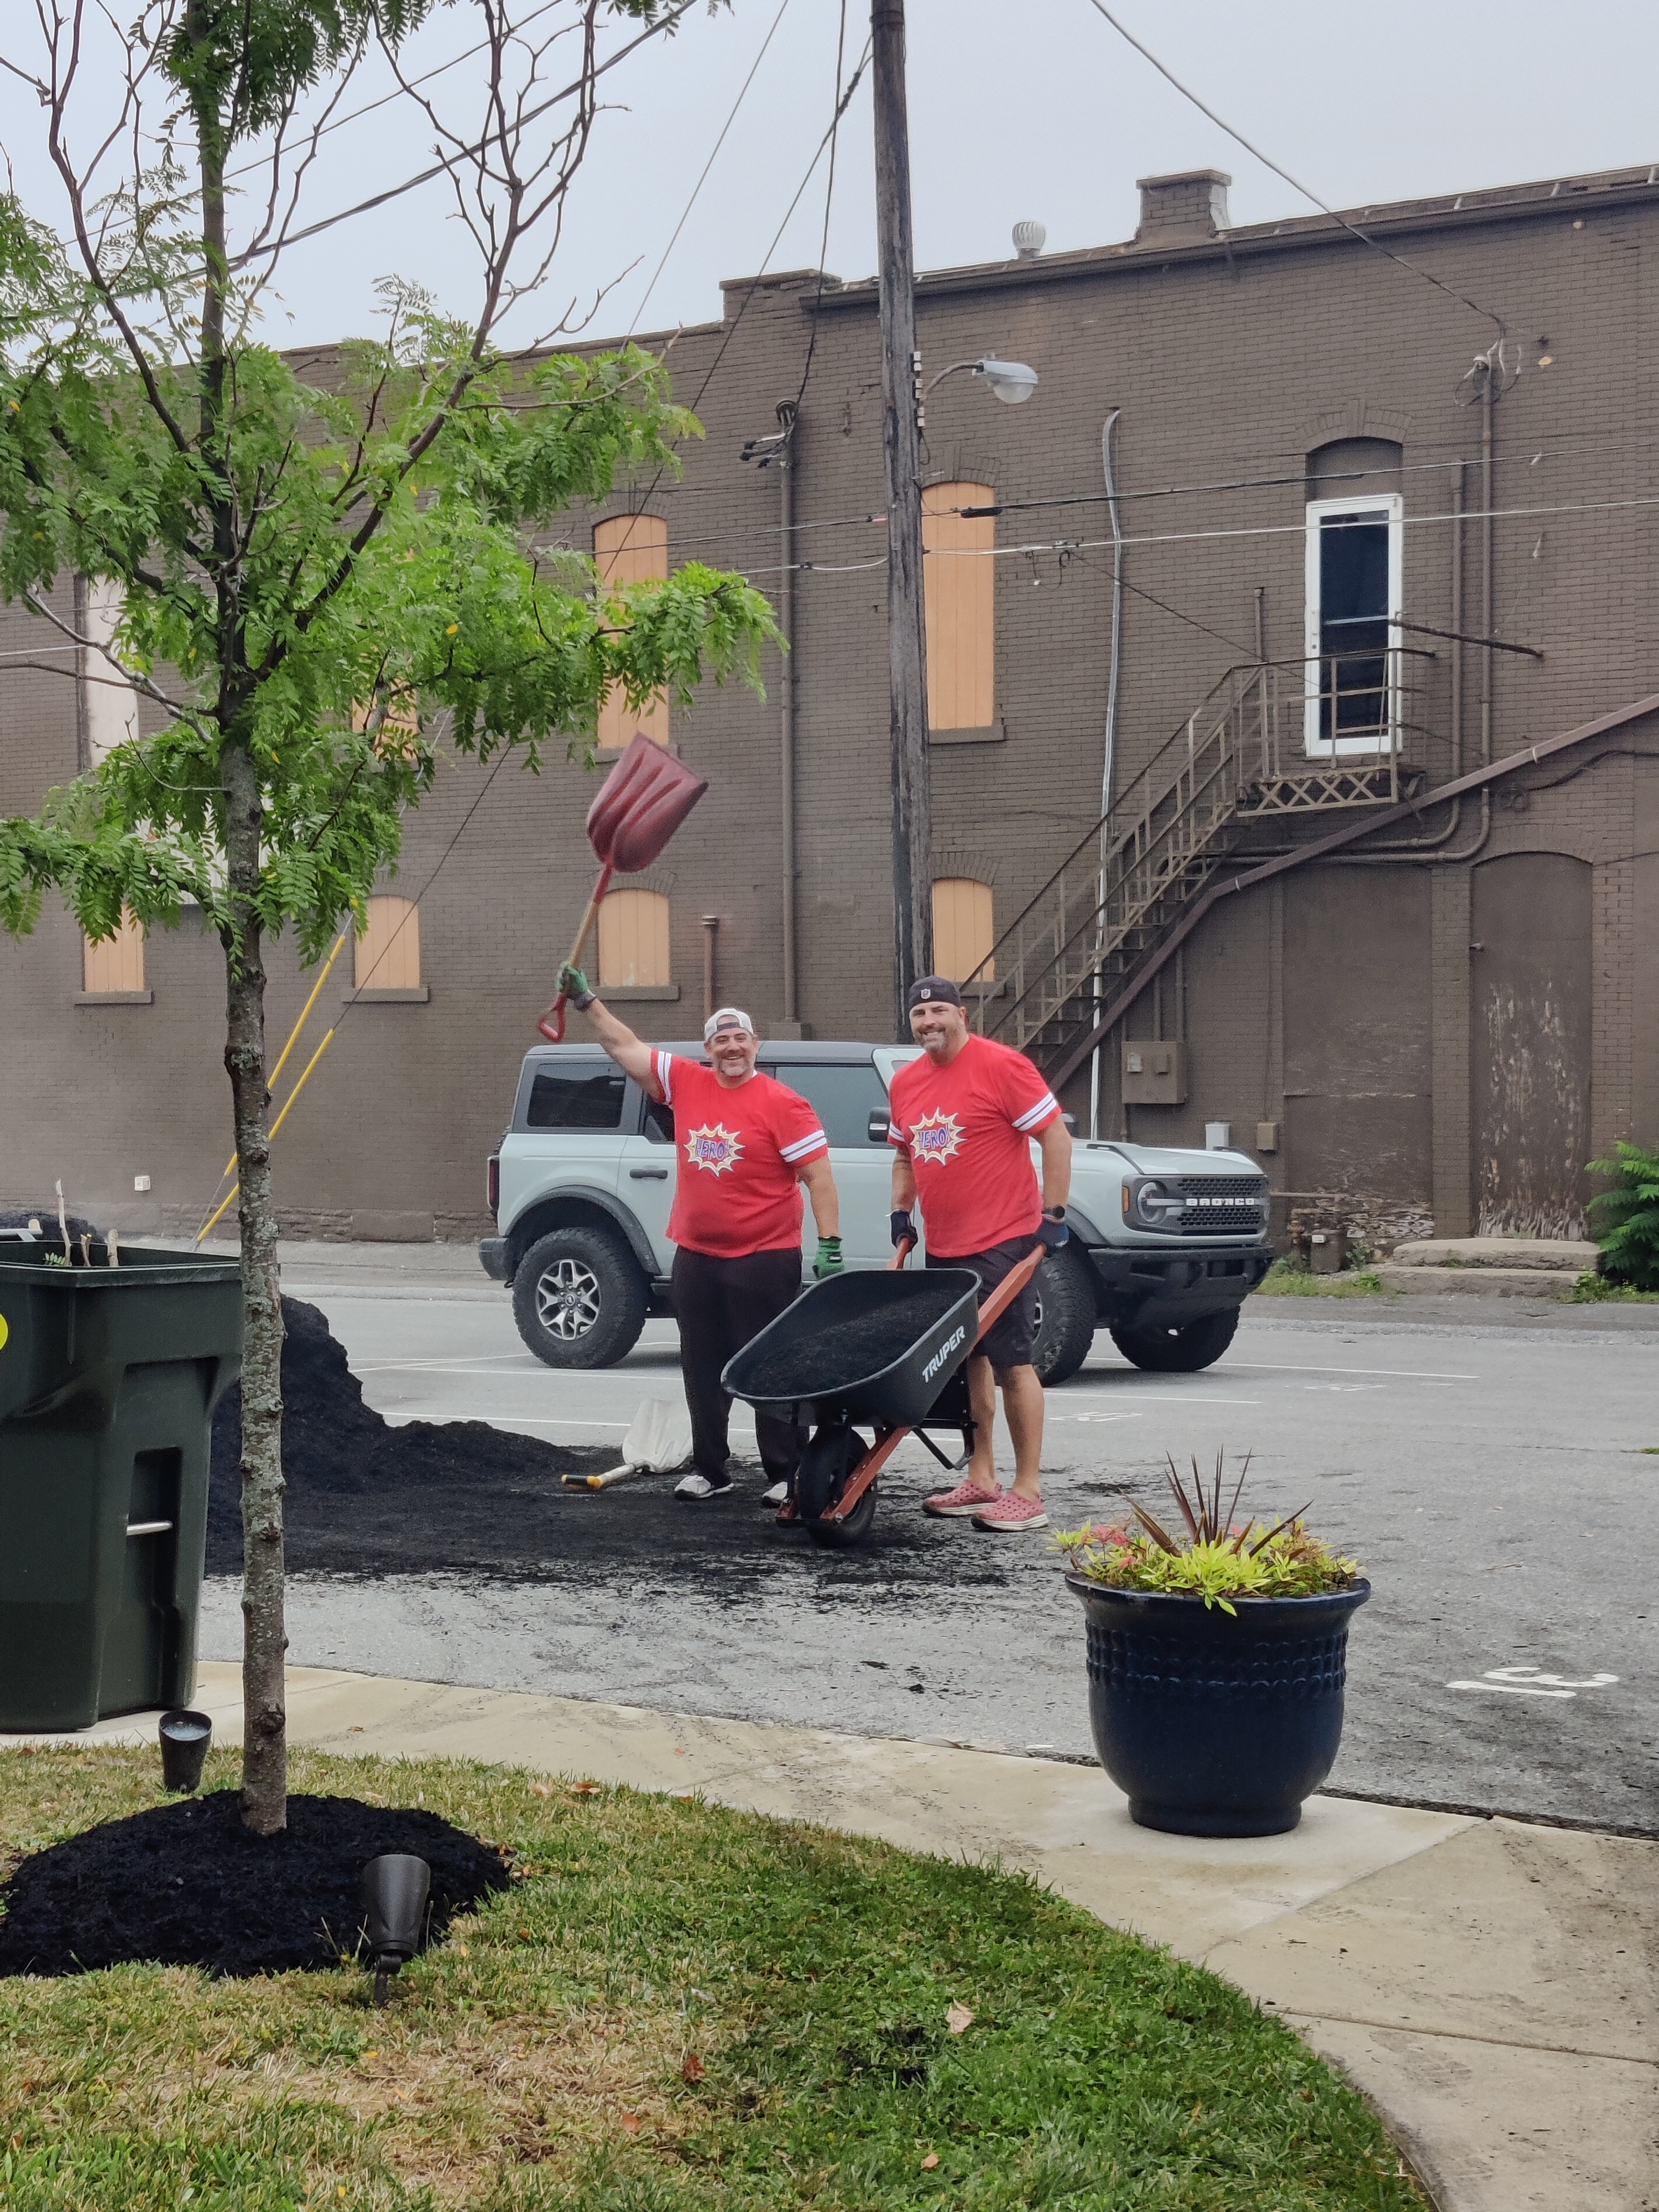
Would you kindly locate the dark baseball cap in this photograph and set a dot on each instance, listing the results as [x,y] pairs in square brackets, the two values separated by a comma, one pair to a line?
[933,987]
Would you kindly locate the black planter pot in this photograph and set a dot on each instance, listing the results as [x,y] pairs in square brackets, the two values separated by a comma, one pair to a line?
[1215,1723]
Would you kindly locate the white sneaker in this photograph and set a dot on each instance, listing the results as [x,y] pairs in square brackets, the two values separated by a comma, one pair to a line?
[699,1486]
[777,1495]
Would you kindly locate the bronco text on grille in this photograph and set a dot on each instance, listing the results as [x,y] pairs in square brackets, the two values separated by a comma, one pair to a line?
[1214,1203]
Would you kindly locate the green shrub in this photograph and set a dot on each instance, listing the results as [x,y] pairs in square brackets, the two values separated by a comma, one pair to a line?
[1626,1218]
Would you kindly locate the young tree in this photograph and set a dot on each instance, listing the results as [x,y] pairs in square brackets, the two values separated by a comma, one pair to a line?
[320,583]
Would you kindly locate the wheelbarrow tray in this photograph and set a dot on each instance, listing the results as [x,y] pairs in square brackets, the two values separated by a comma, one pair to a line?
[862,1347]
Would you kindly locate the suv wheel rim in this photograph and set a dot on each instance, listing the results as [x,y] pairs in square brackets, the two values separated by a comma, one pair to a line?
[567,1299]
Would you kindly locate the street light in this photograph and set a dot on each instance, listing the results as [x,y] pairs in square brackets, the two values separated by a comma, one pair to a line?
[1012,381]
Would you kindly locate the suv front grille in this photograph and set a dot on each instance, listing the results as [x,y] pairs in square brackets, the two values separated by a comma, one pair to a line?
[1220,1204]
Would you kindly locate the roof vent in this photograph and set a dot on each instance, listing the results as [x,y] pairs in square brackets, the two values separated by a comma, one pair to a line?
[1029,239]
[1183,210]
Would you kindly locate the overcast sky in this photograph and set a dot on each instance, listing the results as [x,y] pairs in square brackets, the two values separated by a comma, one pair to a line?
[1018,108]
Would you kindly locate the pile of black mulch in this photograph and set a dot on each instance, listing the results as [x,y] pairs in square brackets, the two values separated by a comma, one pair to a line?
[186,1885]
[460,1497]
[364,1496]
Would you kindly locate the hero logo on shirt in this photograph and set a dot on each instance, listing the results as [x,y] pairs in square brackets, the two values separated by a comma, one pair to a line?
[714,1147]
[936,1137]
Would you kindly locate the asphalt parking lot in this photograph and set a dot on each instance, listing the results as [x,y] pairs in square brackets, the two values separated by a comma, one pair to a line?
[1493,1470]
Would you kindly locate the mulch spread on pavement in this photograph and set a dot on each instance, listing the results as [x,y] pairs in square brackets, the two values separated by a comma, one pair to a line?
[367,1498]
[185,1884]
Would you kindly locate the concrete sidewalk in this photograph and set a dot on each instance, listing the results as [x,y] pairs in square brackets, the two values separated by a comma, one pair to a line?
[1490,1986]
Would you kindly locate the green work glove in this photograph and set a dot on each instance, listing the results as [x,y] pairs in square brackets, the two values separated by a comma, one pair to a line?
[829,1261]
[576,987]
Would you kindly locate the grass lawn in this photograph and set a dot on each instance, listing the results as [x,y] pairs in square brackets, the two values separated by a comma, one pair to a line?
[1285,1279]
[675,2007]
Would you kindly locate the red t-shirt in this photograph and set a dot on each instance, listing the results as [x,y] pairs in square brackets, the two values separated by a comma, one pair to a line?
[735,1191]
[966,1127]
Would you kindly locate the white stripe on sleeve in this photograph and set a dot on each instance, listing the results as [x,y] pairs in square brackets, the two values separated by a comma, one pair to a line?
[815,1142]
[664,1061]
[1045,1105]
[894,1134]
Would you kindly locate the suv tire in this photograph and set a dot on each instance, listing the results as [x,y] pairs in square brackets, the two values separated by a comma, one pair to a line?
[578,1299]
[1180,1350]
[1067,1319]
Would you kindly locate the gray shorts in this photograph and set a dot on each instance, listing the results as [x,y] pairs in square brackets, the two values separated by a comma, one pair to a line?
[1013,1335]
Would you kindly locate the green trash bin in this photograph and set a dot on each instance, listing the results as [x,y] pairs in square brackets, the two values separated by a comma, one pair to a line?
[108,1380]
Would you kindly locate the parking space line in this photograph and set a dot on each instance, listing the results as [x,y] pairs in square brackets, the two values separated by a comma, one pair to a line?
[1411,1374]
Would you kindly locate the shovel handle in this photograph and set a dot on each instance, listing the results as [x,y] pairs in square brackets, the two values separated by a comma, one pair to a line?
[551,1024]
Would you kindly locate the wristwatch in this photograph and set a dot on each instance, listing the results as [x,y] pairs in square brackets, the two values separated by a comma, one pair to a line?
[1054,1213]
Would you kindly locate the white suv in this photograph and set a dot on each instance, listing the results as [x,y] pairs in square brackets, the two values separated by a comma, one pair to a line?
[1166,1245]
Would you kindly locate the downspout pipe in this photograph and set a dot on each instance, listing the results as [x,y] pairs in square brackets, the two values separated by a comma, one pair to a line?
[1108,761]
[786,415]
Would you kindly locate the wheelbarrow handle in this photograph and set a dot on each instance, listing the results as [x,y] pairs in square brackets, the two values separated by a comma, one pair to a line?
[1006,1292]
[551,1024]
[906,1248]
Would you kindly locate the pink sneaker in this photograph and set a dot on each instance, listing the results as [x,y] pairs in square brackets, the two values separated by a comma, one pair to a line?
[965,1498]
[1007,1515]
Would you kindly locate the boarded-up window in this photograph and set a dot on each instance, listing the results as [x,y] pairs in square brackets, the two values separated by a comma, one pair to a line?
[388,953]
[634,938]
[632,549]
[964,929]
[115,963]
[959,576]
[109,704]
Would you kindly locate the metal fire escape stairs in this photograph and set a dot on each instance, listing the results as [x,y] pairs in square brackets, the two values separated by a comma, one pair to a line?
[1127,881]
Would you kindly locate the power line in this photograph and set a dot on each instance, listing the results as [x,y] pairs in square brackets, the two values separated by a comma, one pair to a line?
[829,201]
[1267,162]
[686,215]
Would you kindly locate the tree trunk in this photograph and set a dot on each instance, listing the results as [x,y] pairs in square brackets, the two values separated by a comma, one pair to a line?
[265,1635]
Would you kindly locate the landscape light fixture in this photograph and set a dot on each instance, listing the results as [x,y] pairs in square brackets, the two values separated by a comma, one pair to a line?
[396,1887]
[184,1739]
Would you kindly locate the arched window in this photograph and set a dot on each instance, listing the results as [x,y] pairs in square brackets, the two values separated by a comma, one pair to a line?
[631,548]
[634,938]
[959,584]
[388,953]
[114,967]
[964,929]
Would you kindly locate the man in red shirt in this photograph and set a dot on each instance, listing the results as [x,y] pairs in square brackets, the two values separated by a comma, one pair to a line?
[747,1145]
[963,1122]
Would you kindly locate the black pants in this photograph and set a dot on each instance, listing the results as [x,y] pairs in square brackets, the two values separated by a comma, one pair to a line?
[719,1304]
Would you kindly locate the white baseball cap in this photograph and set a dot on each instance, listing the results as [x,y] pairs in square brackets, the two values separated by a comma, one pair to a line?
[726,1017]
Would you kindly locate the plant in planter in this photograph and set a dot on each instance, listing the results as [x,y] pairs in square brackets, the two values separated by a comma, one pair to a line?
[1216,1658]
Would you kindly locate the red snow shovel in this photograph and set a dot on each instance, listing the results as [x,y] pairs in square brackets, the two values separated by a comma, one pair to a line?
[638,807]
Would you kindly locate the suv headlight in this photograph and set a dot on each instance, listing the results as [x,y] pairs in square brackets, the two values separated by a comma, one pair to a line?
[1150,1204]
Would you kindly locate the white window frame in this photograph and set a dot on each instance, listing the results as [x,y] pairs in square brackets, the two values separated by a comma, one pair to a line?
[1321,511]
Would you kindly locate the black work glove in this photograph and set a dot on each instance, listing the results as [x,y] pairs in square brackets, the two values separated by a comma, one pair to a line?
[576,987]
[1052,1233]
[902,1226]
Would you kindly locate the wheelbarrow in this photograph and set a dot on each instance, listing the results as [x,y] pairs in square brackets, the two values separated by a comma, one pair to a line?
[887,1353]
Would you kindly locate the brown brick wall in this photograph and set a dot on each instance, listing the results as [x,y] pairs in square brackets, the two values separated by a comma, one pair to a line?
[1226,364]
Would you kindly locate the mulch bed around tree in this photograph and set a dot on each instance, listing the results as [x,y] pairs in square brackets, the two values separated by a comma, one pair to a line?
[185,1884]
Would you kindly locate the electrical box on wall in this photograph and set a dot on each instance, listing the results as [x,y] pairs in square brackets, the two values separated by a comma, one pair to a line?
[1154,1074]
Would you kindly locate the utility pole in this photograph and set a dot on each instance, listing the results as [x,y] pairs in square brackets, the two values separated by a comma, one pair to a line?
[901,438]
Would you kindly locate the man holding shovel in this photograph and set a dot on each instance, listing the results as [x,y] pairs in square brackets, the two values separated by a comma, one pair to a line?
[963,1117]
[747,1145]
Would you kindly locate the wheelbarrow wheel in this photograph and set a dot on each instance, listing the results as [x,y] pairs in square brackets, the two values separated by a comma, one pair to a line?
[830,1459]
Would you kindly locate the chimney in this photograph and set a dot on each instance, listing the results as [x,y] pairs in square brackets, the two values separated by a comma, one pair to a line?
[1183,209]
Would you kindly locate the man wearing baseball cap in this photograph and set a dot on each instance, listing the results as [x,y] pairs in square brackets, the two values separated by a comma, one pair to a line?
[747,1146]
[963,1121]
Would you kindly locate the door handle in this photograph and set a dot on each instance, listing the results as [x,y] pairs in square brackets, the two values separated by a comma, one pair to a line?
[648,1174]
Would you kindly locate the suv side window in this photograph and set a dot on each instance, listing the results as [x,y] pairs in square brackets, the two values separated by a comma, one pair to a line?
[845,1094]
[576,1098]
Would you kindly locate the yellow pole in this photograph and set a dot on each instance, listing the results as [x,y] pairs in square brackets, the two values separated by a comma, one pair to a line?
[293,1039]
[328,1039]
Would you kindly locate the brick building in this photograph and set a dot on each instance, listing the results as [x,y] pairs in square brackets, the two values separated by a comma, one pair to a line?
[1363,553]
